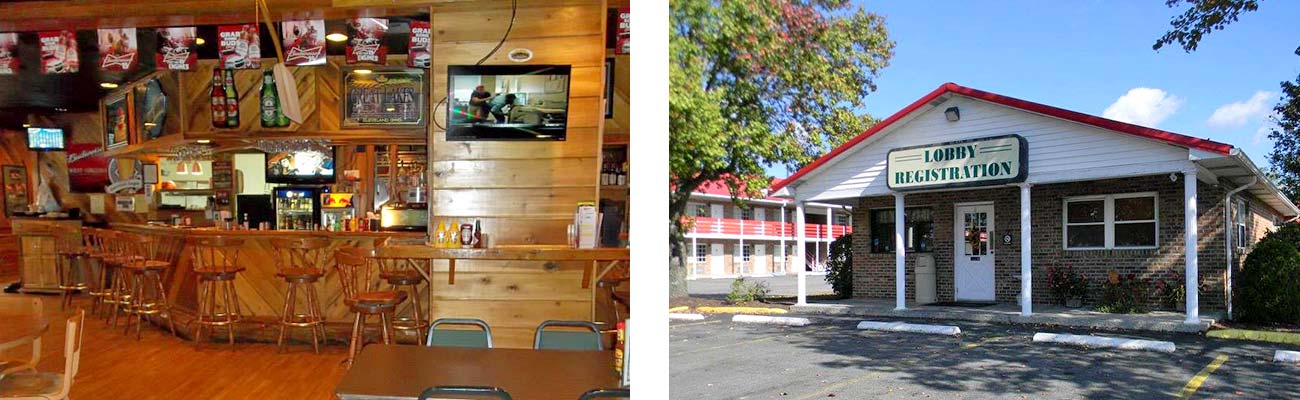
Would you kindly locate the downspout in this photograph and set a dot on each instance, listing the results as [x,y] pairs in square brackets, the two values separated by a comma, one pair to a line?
[1228,224]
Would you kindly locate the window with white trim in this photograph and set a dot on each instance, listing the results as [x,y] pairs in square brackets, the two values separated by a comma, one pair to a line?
[1240,214]
[701,251]
[747,213]
[745,251]
[1117,221]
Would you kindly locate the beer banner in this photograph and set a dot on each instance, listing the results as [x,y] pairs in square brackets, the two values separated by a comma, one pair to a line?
[8,53]
[176,49]
[419,54]
[87,168]
[239,46]
[59,52]
[117,49]
[304,42]
[366,40]
[624,41]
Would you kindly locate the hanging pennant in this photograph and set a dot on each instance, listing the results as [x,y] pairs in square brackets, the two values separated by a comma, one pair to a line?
[304,42]
[8,53]
[419,55]
[59,52]
[117,49]
[239,46]
[366,40]
[176,49]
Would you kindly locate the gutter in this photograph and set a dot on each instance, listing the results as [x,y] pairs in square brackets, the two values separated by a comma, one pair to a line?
[1227,218]
[1268,184]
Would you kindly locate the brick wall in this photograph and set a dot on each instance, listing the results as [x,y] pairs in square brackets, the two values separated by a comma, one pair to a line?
[874,273]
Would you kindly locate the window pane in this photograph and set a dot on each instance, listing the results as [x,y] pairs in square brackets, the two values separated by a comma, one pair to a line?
[1086,211]
[1135,208]
[1135,234]
[1086,235]
[918,215]
[883,216]
[924,237]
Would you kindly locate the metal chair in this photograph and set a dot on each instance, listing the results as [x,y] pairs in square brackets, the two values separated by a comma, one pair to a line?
[567,339]
[47,385]
[21,304]
[301,263]
[620,393]
[355,266]
[473,392]
[459,337]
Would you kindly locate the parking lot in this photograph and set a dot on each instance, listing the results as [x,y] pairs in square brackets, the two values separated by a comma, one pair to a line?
[718,359]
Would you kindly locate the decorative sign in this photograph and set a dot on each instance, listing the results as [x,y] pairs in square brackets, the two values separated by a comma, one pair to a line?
[304,42]
[87,168]
[176,49]
[8,53]
[419,53]
[976,162]
[117,120]
[124,203]
[393,97]
[118,49]
[223,173]
[240,46]
[366,41]
[16,191]
[125,184]
[59,52]
[1006,238]
[623,44]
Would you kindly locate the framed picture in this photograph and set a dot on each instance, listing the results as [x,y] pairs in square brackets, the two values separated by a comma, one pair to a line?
[16,189]
[609,88]
[384,97]
[117,113]
[149,109]
[150,173]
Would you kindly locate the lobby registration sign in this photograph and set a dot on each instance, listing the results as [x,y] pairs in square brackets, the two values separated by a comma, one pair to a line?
[976,162]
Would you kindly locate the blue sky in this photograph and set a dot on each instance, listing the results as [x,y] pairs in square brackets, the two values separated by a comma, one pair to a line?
[1087,55]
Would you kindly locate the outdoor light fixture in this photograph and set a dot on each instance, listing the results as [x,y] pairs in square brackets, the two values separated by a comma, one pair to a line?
[1173,177]
[108,85]
[952,113]
[336,37]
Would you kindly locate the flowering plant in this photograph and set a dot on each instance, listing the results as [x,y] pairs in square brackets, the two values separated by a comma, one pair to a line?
[1065,283]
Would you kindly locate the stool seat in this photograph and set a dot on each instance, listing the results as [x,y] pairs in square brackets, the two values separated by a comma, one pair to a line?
[219,275]
[375,302]
[402,277]
[151,265]
[300,274]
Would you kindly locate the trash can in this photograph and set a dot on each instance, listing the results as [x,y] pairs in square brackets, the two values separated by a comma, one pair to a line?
[925,280]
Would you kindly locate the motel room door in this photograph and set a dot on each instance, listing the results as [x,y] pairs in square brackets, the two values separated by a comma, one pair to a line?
[973,258]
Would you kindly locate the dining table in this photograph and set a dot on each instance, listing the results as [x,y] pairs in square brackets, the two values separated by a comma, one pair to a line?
[391,372]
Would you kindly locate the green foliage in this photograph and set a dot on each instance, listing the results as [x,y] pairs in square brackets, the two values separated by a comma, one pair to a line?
[1064,283]
[1268,287]
[745,292]
[1289,233]
[839,268]
[1172,291]
[1123,294]
[1286,139]
[1203,17]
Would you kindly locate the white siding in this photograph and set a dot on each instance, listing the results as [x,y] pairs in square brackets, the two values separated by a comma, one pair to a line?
[1059,150]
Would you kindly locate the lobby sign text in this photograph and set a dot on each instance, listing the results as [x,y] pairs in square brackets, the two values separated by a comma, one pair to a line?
[976,162]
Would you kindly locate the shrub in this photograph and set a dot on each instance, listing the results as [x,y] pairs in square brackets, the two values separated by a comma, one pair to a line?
[1123,294]
[839,268]
[744,292]
[1064,283]
[1172,291]
[1289,233]
[1268,286]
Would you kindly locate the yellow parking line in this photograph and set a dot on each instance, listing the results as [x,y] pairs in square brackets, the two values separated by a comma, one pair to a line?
[1195,383]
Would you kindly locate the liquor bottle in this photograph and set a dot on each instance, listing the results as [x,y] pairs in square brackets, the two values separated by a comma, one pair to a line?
[270,101]
[622,174]
[232,100]
[604,174]
[478,234]
[218,100]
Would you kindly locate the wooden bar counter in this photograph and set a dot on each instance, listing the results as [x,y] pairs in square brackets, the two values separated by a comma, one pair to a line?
[513,288]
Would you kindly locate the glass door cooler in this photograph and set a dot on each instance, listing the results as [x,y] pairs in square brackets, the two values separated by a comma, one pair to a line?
[297,208]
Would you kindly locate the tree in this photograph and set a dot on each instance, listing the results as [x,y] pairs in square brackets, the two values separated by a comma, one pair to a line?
[1204,17]
[761,82]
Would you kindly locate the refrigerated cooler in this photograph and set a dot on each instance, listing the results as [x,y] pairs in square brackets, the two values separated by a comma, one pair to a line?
[297,208]
[336,210]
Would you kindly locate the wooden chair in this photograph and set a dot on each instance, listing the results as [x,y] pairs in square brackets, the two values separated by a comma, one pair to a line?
[465,392]
[47,385]
[402,273]
[22,304]
[355,267]
[459,337]
[101,290]
[620,393]
[152,255]
[567,339]
[301,263]
[118,247]
[71,263]
[216,262]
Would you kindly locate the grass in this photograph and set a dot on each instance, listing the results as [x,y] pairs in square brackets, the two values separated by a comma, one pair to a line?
[1261,336]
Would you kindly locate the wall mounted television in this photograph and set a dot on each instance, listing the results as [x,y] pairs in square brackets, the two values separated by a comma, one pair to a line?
[507,102]
[301,167]
[45,139]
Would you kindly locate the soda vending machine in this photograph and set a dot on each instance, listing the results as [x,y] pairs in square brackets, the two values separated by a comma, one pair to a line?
[336,211]
[297,208]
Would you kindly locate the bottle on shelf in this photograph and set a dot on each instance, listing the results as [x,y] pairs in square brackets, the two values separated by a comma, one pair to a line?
[622,175]
[232,100]
[218,100]
[478,234]
[270,101]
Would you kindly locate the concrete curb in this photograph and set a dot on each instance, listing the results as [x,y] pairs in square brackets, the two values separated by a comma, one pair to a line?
[1286,356]
[947,330]
[740,310]
[1104,342]
[765,319]
[679,309]
[685,317]
[1098,321]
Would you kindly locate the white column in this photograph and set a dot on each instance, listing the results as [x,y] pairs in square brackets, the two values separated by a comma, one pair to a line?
[1189,227]
[1026,259]
[801,256]
[830,235]
[784,256]
[900,256]
[695,255]
[740,251]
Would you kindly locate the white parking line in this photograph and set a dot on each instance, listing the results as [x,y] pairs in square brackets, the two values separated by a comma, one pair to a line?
[948,330]
[767,319]
[1105,342]
[685,316]
[1286,356]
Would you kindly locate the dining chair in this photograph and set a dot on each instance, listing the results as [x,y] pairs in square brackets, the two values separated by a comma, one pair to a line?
[21,304]
[49,385]
[465,392]
[567,339]
[620,393]
[459,337]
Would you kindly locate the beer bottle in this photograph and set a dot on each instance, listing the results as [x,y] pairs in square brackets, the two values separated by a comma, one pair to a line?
[218,100]
[232,100]
[270,103]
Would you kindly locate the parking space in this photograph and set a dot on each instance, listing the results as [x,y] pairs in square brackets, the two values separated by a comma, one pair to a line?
[718,359]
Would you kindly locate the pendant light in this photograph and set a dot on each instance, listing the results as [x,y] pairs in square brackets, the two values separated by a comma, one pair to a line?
[196,169]
[182,168]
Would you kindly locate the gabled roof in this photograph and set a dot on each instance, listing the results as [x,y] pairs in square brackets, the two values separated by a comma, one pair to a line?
[1109,124]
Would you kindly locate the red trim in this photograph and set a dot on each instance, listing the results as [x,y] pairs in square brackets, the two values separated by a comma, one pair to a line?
[1142,131]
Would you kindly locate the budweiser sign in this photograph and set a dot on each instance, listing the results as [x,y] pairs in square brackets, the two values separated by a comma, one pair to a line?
[366,41]
[8,53]
[176,49]
[304,42]
[117,49]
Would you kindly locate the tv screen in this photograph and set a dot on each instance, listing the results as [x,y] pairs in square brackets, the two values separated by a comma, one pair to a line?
[507,102]
[45,139]
[305,166]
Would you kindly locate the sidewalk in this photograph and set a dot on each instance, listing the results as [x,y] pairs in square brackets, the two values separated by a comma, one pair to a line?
[1044,314]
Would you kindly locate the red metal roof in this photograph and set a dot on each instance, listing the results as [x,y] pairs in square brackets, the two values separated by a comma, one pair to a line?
[1109,124]
[719,188]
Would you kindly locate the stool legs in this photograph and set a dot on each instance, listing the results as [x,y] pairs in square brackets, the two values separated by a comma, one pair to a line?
[72,270]
[312,319]
[359,333]
[148,297]
[212,292]
[101,290]
[416,321]
[121,293]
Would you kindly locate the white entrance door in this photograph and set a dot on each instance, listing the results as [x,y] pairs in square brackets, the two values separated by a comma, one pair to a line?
[716,263]
[973,261]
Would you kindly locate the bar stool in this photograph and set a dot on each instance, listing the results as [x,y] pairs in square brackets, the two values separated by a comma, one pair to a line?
[301,262]
[70,263]
[215,261]
[95,252]
[401,273]
[119,245]
[153,256]
[354,266]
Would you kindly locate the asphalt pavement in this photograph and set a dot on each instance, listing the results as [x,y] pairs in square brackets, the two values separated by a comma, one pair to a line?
[717,359]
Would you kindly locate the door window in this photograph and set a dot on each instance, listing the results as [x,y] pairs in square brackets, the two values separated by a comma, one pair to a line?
[976,233]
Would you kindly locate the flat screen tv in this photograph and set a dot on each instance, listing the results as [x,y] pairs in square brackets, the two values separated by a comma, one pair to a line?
[507,102]
[301,167]
[45,139]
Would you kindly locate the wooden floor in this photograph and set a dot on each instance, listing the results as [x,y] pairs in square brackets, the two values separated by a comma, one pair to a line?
[160,366]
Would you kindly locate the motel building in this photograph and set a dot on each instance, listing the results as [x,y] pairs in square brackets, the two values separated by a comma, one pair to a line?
[995,190]
[756,237]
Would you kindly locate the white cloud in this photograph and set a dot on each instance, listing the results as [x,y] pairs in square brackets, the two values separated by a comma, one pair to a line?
[1261,133]
[1143,106]
[1239,113]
